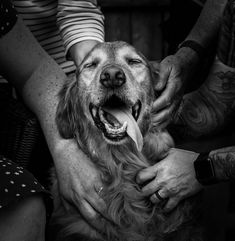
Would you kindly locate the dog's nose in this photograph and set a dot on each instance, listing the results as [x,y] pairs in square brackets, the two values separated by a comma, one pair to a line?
[112,77]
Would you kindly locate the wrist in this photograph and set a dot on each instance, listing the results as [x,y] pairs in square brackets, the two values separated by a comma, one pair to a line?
[79,50]
[195,46]
[223,164]
[187,55]
[204,170]
[188,61]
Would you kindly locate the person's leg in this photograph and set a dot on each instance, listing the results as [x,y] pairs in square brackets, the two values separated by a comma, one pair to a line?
[24,221]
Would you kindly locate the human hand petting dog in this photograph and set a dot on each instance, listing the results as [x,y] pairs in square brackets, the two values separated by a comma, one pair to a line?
[174,71]
[79,182]
[79,50]
[170,180]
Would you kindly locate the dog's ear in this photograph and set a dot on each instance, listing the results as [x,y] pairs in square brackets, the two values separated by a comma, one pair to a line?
[66,111]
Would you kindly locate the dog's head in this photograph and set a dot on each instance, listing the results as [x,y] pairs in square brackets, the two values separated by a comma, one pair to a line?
[113,94]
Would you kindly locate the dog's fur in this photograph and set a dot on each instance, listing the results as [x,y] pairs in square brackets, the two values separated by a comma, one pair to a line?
[131,216]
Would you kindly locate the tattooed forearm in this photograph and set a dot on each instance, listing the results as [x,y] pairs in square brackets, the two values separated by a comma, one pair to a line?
[212,106]
[224,163]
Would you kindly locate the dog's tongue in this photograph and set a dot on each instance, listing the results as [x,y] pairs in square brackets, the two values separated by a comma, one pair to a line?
[133,129]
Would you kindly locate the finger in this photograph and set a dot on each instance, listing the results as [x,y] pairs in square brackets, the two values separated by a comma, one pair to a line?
[165,115]
[87,211]
[171,204]
[65,203]
[157,197]
[162,125]
[97,203]
[164,73]
[165,98]
[91,215]
[146,174]
[151,188]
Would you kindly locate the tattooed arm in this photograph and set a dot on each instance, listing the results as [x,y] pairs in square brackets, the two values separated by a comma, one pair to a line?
[174,177]
[212,106]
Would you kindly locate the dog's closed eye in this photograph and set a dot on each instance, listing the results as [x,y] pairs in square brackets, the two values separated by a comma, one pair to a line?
[90,65]
[132,61]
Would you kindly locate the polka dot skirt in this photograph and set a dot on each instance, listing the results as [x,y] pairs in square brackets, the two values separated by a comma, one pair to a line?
[8,16]
[17,183]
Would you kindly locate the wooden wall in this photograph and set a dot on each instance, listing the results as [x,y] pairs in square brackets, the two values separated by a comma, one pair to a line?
[137,22]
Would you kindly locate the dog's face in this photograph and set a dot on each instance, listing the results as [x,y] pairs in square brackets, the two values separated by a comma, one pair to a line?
[115,77]
[115,91]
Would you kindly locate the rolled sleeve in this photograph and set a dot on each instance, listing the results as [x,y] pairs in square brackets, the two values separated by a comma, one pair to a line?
[78,21]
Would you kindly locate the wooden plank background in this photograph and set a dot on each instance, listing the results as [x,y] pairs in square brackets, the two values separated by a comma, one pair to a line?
[136,22]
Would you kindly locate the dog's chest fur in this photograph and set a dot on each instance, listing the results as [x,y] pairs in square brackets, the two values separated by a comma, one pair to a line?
[130,213]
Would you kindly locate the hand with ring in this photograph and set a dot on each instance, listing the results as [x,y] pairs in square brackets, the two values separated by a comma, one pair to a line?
[170,180]
[156,198]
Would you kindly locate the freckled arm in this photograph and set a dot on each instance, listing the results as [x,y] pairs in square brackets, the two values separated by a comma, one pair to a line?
[36,76]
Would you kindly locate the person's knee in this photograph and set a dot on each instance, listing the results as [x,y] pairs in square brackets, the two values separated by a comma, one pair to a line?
[35,211]
[26,217]
[34,206]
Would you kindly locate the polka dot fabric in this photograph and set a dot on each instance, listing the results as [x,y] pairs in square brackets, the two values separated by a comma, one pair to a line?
[17,183]
[8,16]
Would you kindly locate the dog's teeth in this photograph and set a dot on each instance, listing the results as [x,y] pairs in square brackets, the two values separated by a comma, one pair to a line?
[136,115]
[114,131]
[124,125]
[136,110]
[101,113]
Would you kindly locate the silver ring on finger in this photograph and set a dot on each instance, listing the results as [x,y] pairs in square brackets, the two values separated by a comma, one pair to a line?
[160,198]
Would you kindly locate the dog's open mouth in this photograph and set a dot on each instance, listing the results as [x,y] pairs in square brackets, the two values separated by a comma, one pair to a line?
[117,120]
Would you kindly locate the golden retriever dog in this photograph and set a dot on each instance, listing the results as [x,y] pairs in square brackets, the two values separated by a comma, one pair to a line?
[107,109]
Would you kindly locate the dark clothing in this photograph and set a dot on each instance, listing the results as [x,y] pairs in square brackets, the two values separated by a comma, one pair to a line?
[8,17]
[226,47]
[16,183]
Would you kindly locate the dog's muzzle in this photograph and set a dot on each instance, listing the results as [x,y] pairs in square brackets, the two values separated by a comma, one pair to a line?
[117,121]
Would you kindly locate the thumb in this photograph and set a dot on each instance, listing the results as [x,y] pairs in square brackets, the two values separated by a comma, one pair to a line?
[164,74]
[146,174]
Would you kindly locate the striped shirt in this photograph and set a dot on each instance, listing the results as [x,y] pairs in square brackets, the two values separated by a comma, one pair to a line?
[58,24]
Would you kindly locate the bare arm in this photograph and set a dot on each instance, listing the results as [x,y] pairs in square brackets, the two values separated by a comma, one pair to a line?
[176,70]
[81,26]
[38,78]
[174,177]
[207,26]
